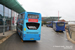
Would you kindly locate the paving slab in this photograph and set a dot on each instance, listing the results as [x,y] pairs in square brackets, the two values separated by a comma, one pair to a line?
[5,36]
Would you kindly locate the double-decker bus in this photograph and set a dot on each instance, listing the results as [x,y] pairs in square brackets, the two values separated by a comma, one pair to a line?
[59,26]
[49,24]
[29,26]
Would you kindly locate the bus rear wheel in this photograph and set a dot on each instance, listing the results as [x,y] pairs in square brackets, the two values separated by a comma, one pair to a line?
[16,31]
[34,41]
[22,40]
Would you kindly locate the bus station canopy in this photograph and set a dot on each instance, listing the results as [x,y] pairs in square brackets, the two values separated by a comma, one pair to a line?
[13,4]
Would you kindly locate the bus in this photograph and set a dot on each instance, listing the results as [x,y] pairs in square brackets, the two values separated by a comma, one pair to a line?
[49,24]
[29,26]
[59,26]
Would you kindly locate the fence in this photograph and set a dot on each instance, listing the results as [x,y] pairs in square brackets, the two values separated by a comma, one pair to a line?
[71,30]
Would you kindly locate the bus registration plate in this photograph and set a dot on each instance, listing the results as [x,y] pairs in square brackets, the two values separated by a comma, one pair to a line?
[32,39]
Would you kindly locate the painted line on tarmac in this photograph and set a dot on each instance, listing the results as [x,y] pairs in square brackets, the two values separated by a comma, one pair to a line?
[61,36]
[59,33]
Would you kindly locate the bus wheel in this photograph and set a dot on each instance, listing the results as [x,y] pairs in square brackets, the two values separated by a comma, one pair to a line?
[22,40]
[34,41]
[16,31]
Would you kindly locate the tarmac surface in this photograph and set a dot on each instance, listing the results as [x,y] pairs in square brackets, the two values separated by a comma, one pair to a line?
[50,40]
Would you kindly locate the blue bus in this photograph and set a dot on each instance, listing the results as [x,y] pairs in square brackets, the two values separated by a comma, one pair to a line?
[29,26]
[49,24]
[59,26]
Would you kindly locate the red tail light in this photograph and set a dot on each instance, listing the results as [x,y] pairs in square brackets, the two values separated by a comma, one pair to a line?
[39,35]
[24,35]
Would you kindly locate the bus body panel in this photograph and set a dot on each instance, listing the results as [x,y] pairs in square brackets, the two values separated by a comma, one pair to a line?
[54,26]
[30,34]
[31,37]
[58,28]
[50,24]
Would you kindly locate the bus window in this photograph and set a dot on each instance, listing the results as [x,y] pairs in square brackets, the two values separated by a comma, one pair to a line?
[33,26]
[20,27]
[49,23]
[22,16]
[33,16]
[60,24]
[21,21]
[54,24]
[19,16]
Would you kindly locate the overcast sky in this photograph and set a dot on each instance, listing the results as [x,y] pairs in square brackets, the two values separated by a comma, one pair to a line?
[49,8]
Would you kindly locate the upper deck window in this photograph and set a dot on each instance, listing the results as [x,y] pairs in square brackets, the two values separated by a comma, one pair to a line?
[21,16]
[33,16]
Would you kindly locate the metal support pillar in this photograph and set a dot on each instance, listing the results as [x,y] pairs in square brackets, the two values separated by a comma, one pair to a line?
[11,19]
[3,20]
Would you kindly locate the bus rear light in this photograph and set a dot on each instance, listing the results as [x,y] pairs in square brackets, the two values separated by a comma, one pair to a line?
[24,35]
[39,35]
[26,18]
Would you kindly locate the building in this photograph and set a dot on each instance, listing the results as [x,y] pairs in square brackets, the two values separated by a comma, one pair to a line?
[9,9]
[52,18]
[62,20]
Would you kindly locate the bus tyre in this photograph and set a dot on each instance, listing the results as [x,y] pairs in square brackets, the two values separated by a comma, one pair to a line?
[22,40]
[21,35]
[34,40]
[16,31]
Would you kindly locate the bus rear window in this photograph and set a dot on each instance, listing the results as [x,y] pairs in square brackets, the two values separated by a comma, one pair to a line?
[60,24]
[32,26]
[33,16]
[49,23]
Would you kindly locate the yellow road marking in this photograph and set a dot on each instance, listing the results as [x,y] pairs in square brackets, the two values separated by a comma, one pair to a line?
[59,33]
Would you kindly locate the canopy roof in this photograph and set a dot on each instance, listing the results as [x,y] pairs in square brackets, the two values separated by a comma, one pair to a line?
[13,4]
[51,19]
